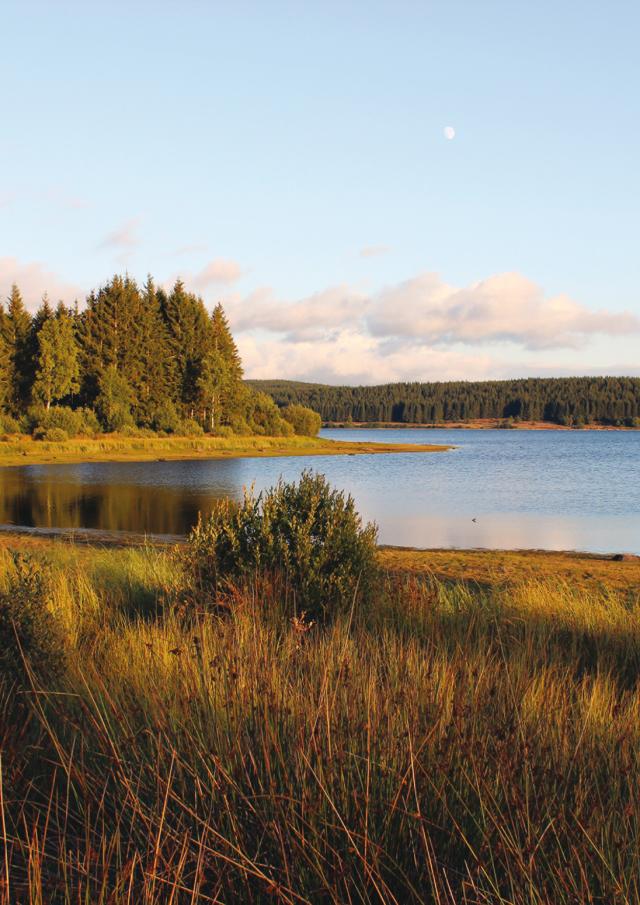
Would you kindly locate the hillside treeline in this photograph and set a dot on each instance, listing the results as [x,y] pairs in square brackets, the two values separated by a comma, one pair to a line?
[562,400]
[131,358]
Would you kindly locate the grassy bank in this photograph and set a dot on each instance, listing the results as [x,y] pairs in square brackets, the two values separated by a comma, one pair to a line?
[113,448]
[454,743]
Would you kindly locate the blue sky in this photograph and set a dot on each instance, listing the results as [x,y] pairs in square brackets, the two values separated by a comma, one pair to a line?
[290,160]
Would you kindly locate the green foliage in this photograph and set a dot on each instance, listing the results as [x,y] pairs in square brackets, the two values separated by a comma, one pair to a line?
[9,425]
[50,434]
[18,327]
[6,363]
[113,404]
[28,630]
[190,428]
[239,425]
[263,417]
[75,422]
[306,535]
[58,366]
[165,417]
[609,400]
[305,421]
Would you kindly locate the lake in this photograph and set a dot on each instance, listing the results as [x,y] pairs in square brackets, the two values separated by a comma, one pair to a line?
[500,489]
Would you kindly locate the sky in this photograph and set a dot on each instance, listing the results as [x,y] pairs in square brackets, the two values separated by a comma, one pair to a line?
[376,191]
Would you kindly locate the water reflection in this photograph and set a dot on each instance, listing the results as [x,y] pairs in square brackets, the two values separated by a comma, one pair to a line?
[112,506]
[556,490]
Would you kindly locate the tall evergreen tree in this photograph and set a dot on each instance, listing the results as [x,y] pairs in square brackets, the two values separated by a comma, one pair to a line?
[153,379]
[108,329]
[190,342]
[58,367]
[226,369]
[6,364]
[19,330]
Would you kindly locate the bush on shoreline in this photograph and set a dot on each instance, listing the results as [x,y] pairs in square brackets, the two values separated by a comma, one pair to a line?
[306,536]
[30,638]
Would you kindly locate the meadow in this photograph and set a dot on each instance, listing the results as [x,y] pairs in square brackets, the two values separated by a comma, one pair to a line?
[468,737]
[24,450]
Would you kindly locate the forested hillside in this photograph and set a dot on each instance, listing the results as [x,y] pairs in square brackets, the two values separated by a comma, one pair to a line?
[563,400]
[131,358]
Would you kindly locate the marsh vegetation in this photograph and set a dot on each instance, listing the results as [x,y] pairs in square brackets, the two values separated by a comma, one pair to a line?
[443,740]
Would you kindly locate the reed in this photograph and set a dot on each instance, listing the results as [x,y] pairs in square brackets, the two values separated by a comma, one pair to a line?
[450,743]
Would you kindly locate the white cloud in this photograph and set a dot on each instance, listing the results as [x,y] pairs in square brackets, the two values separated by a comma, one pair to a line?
[33,281]
[314,317]
[420,329]
[355,358]
[123,239]
[190,249]
[374,251]
[504,308]
[220,270]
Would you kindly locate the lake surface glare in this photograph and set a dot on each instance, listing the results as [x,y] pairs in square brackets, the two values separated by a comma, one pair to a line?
[500,489]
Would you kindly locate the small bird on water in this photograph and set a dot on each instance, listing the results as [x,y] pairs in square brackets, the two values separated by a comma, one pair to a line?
[474,519]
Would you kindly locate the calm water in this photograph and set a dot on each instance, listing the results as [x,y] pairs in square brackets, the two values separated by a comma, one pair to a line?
[545,489]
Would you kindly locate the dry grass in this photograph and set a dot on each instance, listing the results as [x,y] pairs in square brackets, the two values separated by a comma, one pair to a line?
[112,448]
[496,568]
[454,744]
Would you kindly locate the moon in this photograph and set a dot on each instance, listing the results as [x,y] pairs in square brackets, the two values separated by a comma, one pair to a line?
[449,133]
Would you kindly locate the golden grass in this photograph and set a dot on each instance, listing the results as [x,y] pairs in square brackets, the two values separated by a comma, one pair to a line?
[503,567]
[452,744]
[113,448]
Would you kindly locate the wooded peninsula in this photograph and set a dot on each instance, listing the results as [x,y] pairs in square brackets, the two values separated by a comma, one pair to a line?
[132,360]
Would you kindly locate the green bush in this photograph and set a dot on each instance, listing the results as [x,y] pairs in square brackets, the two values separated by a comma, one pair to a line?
[50,434]
[240,426]
[28,630]
[75,422]
[9,425]
[166,418]
[190,428]
[264,417]
[306,536]
[131,430]
[305,421]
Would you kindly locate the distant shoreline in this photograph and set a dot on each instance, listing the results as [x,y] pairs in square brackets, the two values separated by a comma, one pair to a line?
[475,424]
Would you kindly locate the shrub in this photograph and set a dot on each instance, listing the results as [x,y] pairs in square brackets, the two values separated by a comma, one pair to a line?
[75,422]
[50,434]
[264,417]
[9,425]
[190,428]
[304,420]
[240,426]
[166,418]
[28,630]
[305,535]
[131,430]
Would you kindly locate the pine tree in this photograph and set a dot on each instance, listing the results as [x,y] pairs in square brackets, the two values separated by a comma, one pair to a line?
[225,365]
[190,342]
[154,376]
[58,367]
[19,329]
[6,365]
[108,331]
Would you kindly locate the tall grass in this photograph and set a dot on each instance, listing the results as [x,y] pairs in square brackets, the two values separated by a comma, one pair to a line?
[447,745]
